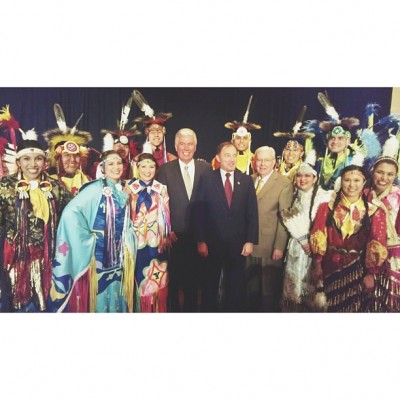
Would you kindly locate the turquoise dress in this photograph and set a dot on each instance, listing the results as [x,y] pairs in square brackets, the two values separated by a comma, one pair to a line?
[94,260]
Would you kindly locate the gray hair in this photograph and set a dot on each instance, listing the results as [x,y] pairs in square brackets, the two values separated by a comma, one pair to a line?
[186,132]
[265,148]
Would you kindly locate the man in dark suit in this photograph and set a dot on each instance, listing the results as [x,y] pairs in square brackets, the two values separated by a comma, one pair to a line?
[182,177]
[226,227]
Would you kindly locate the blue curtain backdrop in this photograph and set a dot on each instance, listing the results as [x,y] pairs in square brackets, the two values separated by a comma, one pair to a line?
[205,110]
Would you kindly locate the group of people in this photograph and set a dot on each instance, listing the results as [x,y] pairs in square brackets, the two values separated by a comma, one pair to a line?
[138,229]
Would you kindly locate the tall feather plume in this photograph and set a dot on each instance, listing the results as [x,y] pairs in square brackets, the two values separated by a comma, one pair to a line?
[142,103]
[125,113]
[246,114]
[60,118]
[74,128]
[329,109]
[299,119]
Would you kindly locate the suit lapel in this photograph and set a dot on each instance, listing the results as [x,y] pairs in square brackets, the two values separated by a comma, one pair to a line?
[268,186]
[219,187]
[179,177]
[237,183]
[196,176]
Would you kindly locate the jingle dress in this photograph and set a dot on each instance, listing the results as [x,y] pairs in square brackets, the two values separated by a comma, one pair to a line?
[348,251]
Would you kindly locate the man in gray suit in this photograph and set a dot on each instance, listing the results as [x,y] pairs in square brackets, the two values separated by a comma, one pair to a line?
[182,177]
[265,265]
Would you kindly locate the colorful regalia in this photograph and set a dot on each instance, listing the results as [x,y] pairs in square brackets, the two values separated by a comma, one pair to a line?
[65,140]
[151,221]
[94,261]
[387,281]
[331,166]
[295,146]
[29,213]
[298,291]
[290,172]
[344,247]
[72,184]
[149,120]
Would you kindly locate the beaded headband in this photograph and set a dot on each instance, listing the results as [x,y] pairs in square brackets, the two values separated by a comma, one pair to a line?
[146,161]
[30,150]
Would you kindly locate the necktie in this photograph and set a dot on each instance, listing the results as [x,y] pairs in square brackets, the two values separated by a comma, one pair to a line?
[187,181]
[259,185]
[228,189]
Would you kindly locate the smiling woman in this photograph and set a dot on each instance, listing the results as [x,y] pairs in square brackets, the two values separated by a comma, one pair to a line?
[149,203]
[30,205]
[347,233]
[386,195]
[94,262]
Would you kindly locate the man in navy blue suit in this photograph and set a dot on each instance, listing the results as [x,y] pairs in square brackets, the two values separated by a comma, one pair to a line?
[182,177]
[226,228]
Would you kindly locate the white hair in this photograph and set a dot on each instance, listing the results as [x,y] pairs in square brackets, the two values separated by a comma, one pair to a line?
[265,148]
[187,132]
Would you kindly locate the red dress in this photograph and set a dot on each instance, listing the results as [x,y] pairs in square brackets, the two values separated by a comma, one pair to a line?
[348,250]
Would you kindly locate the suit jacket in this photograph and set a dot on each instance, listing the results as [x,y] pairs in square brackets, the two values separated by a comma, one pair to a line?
[215,221]
[179,204]
[274,196]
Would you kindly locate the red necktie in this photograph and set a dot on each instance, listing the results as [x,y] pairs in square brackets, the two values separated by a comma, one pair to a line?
[228,189]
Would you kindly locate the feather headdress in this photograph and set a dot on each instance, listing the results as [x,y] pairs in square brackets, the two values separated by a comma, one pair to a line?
[295,134]
[122,134]
[328,126]
[244,127]
[8,152]
[150,116]
[63,134]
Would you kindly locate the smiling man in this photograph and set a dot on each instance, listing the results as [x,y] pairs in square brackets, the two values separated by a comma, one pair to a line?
[67,152]
[338,156]
[226,229]
[182,178]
